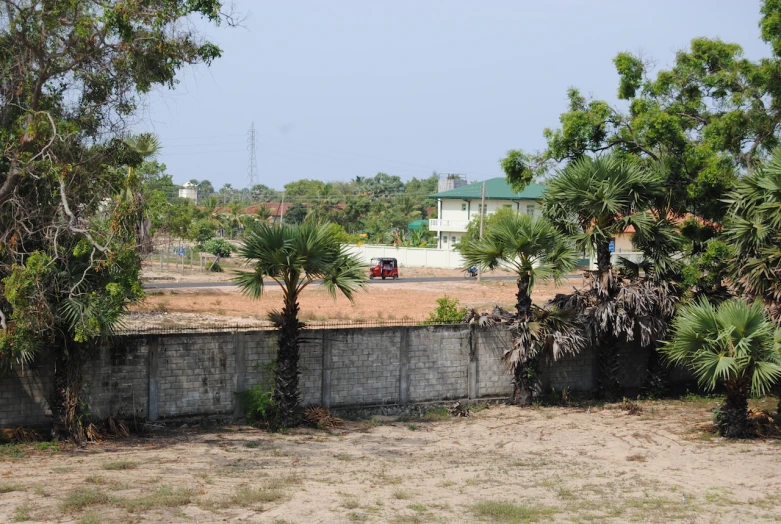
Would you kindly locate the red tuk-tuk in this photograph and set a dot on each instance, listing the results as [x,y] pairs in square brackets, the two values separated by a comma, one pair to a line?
[384,268]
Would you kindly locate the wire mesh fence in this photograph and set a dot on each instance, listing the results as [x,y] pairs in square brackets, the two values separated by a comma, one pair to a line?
[173,329]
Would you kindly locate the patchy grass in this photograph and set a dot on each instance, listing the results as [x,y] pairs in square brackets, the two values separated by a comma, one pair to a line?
[246,497]
[162,498]
[400,494]
[11,451]
[501,511]
[119,465]
[436,414]
[90,518]
[418,507]
[413,427]
[23,513]
[83,497]
[8,487]
[637,457]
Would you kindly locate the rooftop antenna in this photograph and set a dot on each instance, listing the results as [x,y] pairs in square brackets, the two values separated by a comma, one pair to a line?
[252,169]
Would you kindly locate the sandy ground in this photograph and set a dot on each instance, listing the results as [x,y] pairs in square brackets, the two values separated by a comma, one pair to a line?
[387,301]
[503,464]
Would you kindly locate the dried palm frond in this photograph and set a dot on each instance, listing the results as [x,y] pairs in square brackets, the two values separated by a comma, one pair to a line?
[321,418]
[630,406]
[457,410]
[21,435]
[116,428]
[93,433]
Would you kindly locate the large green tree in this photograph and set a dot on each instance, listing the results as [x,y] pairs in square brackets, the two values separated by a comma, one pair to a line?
[294,257]
[71,74]
[712,115]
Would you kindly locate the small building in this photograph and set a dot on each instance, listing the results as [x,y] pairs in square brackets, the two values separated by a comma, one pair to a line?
[456,207]
[190,191]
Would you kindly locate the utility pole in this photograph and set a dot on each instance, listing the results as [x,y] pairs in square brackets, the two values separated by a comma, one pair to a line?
[482,214]
[252,169]
[282,210]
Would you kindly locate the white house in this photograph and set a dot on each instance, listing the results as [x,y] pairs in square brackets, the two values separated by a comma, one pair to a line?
[189,190]
[456,207]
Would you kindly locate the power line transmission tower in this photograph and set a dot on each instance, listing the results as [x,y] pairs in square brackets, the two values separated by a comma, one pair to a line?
[252,169]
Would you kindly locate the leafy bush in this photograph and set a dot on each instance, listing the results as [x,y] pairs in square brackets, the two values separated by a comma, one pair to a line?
[258,403]
[447,312]
[202,231]
[214,267]
[219,247]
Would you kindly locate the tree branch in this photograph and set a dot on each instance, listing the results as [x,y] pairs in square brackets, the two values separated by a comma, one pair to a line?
[73,220]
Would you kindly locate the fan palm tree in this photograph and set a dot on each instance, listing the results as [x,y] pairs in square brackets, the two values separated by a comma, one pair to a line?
[294,256]
[597,199]
[594,200]
[147,146]
[734,344]
[754,231]
[534,250]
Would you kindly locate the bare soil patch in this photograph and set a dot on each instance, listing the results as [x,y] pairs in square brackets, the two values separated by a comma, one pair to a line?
[380,301]
[503,464]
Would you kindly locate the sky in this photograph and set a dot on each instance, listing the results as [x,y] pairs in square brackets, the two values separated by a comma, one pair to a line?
[351,88]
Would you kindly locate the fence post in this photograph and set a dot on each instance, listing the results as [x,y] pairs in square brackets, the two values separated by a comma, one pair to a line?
[241,372]
[404,366]
[473,365]
[154,349]
[328,364]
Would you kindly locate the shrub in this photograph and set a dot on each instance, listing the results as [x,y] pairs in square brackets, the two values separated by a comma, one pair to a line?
[219,247]
[258,403]
[447,312]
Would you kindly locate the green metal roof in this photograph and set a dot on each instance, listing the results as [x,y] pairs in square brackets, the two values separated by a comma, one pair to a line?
[495,189]
[417,224]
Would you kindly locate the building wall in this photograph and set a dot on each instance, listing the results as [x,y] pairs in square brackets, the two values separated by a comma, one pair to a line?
[160,376]
[410,256]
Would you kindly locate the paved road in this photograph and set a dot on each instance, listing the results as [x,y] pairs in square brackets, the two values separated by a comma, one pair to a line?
[186,285]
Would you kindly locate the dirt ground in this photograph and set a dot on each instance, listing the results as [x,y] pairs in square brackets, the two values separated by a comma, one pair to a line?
[502,464]
[388,301]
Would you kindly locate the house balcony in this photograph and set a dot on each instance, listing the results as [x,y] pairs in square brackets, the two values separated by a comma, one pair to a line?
[456,226]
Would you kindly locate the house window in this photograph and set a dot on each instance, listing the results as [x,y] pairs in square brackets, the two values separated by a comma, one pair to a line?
[444,239]
[482,209]
[508,205]
[530,210]
[463,206]
[453,239]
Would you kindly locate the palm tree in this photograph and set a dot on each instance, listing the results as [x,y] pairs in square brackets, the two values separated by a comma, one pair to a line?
[294,256]
[147,146]
[754,231]
[597,199]
[534,250]
[734,344]
[594,200]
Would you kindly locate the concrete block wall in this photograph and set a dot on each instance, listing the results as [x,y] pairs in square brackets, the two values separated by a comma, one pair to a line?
[24,393]
[494,379]
[173,375]
[438,363]
[117,382]
[578,373]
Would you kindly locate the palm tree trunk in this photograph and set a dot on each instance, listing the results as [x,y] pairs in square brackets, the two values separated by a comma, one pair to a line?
[732,417]
[286,396]
[603,257]
[65,398]
[524,300]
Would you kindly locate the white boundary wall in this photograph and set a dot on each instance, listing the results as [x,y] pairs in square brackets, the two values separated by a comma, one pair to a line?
[410,256]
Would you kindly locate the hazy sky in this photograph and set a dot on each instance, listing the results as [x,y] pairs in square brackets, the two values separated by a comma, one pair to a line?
[349,88]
